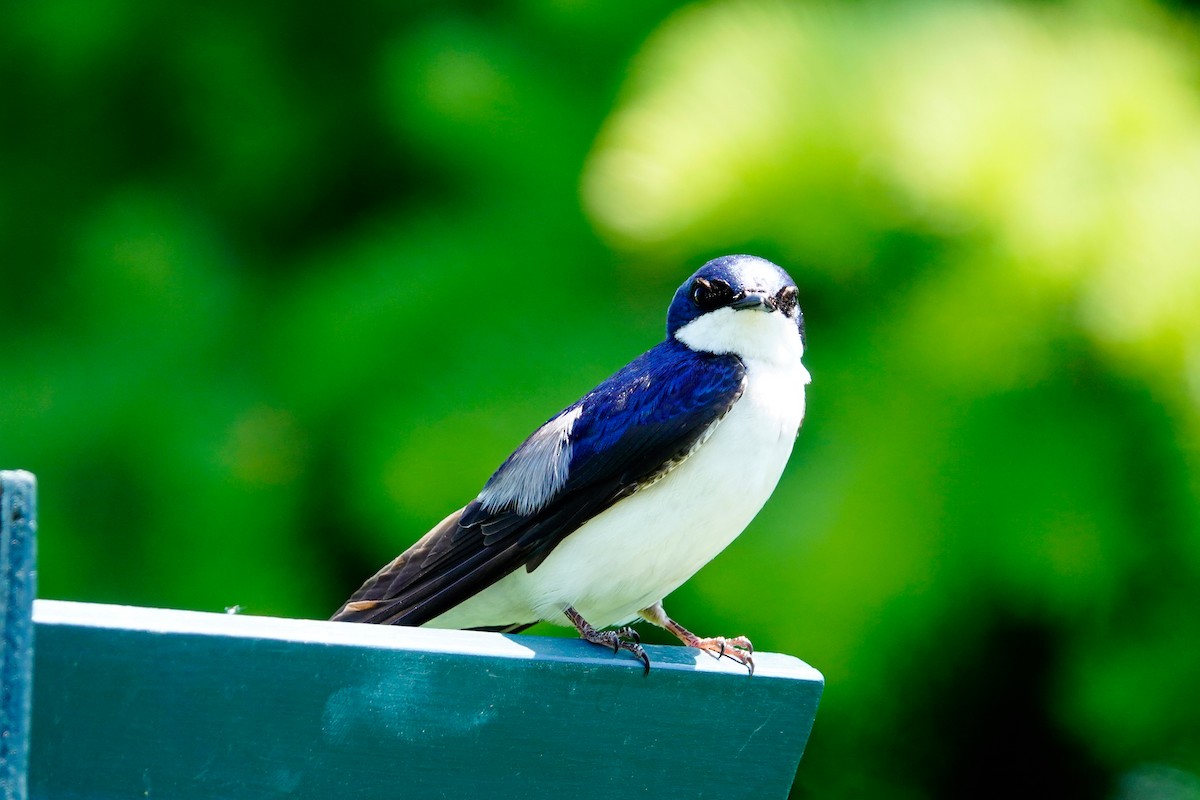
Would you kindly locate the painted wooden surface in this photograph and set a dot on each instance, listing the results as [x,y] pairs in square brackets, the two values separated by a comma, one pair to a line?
[18,577]
[132,702]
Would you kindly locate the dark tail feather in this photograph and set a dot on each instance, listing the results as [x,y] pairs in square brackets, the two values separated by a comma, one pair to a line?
[376,600]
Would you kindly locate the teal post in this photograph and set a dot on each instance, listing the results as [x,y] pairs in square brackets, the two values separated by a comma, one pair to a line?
[18,578]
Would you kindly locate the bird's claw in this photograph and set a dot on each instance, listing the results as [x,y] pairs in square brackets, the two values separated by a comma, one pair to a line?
[623,639]
[736,648]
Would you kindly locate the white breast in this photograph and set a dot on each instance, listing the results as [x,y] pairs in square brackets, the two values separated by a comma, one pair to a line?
[640,550]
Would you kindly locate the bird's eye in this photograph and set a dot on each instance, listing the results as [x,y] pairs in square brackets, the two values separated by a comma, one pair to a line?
[711,294]
[785,301]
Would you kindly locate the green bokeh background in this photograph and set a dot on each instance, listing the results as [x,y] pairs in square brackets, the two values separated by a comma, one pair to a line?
[284,282]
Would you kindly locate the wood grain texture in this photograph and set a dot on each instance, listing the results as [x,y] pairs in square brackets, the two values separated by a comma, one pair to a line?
[133,702]
[18,577]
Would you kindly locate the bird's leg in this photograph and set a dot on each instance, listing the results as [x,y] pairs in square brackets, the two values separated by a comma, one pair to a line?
[624,639]
[737,648]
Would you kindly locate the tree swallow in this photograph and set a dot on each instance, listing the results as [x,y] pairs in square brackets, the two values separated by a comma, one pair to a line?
[622,496]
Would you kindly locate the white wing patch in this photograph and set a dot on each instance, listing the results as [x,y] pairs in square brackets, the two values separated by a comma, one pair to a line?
[536,471]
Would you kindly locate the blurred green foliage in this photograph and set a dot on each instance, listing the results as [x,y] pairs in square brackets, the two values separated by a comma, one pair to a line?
[284,284]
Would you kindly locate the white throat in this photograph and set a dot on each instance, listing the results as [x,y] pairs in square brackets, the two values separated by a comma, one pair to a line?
[755,335]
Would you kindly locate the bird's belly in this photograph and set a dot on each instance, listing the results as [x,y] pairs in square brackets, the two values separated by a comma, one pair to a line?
[640,550]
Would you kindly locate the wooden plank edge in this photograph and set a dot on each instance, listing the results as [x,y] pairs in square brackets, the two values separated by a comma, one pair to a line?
[768,666]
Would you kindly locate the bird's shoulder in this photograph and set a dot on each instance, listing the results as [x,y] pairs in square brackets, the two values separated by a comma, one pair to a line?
[627,426]
[667,391]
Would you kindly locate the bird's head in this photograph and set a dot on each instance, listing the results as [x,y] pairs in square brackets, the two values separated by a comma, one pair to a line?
[743,305]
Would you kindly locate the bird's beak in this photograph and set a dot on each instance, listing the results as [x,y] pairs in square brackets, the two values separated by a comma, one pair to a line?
[754,300]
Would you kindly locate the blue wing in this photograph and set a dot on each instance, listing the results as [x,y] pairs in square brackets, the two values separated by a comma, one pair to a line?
[621,436]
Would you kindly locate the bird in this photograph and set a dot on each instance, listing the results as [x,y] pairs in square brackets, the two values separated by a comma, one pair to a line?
[622,496]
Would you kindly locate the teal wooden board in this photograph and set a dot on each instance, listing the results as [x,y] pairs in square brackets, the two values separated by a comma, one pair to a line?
[18,577]
[132,702]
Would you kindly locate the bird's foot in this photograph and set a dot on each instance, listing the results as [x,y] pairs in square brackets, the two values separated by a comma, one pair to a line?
[735,648]
[624,639]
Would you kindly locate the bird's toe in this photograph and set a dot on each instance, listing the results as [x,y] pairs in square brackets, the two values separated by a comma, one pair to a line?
[736,648]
